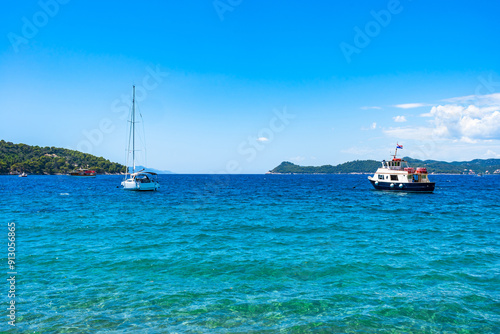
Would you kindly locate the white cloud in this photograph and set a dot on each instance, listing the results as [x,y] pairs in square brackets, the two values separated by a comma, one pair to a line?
[471,122]
[460,99]
[399,119]
[370,107]
[262,139]
[490,99]
[468,119]
[298,158]
[409,132]
[466,140]
[490,154]
[411,105]
[372,126]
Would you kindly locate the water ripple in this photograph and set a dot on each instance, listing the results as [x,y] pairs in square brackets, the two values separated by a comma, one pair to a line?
[255,254]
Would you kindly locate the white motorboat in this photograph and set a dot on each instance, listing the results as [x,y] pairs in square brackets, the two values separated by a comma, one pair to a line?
[397,175]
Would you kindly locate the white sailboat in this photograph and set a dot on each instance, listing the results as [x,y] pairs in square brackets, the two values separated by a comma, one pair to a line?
[137,180]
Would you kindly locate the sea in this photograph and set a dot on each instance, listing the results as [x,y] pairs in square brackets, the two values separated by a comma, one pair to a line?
[249,254]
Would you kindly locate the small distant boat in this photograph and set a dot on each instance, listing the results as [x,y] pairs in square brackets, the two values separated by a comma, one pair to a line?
[396,175]
[83,173]
[23,174]
[137,180]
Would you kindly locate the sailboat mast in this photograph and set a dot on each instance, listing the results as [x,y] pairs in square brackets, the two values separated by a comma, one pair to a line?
[133,130]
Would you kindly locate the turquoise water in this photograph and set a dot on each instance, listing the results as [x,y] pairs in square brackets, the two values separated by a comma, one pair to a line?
[253,254]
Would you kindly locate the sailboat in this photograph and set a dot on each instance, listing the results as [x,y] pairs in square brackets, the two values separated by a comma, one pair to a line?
[137,180]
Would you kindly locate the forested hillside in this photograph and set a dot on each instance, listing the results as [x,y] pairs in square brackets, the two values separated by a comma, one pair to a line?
[358,166]
[17,158]
[370,166]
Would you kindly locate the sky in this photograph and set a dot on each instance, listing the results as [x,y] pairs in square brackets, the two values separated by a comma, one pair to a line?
[238,86]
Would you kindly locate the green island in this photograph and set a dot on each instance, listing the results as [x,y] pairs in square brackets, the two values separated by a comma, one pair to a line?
[18,158]
[477,166]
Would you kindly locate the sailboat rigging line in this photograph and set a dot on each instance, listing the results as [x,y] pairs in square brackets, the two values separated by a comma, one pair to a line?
[144,141]
[127,152]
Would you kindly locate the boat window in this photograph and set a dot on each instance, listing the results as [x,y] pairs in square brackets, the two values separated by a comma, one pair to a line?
[409,177]
[381,177]
[387,176]
[394,177]
[424,176]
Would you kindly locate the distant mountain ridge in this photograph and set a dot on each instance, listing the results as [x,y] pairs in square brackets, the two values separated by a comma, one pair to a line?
[157,171]
[370,166]
[18,158]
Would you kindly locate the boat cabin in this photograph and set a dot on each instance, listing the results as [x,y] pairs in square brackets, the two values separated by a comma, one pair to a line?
[395,164]
[144,177]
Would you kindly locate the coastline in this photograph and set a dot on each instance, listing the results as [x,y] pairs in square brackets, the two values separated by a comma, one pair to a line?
[268,173]
[59,174]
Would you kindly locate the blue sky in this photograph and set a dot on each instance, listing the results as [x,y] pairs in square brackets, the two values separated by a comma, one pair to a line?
[240,86]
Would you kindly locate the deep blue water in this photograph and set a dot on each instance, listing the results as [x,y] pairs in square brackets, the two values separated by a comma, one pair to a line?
[253,254]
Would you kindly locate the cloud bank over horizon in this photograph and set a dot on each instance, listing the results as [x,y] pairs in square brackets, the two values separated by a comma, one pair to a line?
[466,119]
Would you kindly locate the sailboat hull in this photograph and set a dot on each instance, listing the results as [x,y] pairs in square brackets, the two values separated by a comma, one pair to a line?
[139,186]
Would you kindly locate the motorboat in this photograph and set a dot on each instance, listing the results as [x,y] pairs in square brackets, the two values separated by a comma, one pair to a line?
[397,175]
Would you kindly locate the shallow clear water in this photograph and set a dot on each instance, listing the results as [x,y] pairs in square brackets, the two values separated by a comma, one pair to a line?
[253,254]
